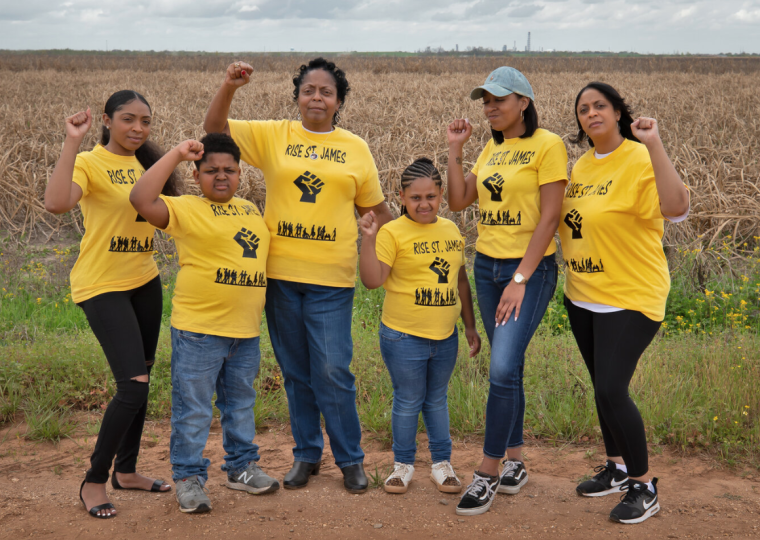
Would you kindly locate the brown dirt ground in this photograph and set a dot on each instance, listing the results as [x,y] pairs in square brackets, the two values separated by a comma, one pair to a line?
[39,484]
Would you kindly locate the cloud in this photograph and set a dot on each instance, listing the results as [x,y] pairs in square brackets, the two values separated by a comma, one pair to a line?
[339,25]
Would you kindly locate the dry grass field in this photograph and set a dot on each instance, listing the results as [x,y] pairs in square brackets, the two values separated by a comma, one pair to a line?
[708,109]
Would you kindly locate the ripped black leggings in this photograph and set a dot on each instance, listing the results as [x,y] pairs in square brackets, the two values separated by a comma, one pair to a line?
[126,324]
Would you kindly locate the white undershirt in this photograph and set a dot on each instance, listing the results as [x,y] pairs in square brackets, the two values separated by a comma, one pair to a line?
[317,132]
[604,308]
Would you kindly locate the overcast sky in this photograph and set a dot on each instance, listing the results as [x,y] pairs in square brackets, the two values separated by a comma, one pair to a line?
[657,26]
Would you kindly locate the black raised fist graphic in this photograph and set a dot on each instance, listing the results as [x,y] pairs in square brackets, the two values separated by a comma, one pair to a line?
[441,268]
[249,242]
[309,185]
[573,220]
[494,184]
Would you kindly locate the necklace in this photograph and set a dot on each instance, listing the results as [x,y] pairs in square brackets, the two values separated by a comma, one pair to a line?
[314,155]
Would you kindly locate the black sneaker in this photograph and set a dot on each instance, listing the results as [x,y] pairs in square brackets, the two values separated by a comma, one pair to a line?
[638,504]
[609,480]
[479,495]
[513,477]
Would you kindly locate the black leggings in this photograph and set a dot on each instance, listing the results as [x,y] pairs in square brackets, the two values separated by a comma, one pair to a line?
[611,345]
[126,324]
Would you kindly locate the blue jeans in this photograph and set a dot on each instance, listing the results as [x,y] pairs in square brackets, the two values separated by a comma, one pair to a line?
[420,370]
[202,364]
[310,329]
[506,397]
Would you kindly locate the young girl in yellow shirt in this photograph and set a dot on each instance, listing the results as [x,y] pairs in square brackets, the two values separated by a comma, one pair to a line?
[115,279]
[419,259]
[617,278]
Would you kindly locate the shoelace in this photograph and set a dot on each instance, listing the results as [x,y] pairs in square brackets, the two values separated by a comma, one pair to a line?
[633,494]
[478,484]
[399,472]
[601,470]
[446,468]
[510,468]
[195,488]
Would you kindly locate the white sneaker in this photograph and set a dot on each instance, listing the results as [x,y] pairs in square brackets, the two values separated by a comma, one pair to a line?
[444,477]
[398,481]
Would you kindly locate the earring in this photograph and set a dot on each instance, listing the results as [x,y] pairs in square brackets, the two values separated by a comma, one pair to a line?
[522,115]
[336,117]
[298,115]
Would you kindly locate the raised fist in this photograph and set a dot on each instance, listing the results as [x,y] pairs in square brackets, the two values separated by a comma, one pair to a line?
[458,132]
[368,225]
[494,184]
[573,220]
[79,124]
[310,186]
[190,150]
[238,74]
[248,241]
[441,268]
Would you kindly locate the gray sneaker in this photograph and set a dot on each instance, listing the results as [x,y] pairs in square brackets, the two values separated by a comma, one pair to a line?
[191,496]
[253,480]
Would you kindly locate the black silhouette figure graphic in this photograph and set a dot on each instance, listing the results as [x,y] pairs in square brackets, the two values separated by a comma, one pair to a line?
[248,241]
[573,220]
[285,228]
[585,266]
[225,276]
[487,217]
[424,296]
[122,244]
[441,268]
[309,185]
[494,184]
[141,219]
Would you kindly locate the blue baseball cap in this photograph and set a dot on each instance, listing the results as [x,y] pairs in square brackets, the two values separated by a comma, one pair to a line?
[502,82]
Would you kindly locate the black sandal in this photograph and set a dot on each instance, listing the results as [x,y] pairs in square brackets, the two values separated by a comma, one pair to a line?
[95,509]
[156,487]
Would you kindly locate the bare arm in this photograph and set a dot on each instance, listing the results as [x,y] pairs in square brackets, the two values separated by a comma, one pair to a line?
[461,192]
[551,204]
[372,272]
[61,193]
[218,111]
[468,314]
[674,197]
[145,195]
[382,213]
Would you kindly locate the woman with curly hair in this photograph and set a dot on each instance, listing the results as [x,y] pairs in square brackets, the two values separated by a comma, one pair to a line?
[316,175]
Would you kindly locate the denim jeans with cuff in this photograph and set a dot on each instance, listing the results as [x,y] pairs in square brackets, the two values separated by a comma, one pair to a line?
[506,397]
[420,370]
[201,365]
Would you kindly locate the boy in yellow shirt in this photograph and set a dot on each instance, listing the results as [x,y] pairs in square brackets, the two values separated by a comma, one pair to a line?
[222,243]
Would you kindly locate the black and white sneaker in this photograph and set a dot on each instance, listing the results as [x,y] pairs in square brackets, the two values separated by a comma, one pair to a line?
[479,495]
[638,504]
[609,480]
[513,477]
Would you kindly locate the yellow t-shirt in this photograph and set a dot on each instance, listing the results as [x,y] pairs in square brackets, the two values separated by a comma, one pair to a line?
[222,248]
[611,232]
[422,293]
[509,176]
[116,252]
[313,182]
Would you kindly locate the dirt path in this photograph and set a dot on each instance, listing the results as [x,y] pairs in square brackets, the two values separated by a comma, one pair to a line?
[39,484]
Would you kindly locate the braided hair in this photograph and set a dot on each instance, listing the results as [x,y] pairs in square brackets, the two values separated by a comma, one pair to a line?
[420,168]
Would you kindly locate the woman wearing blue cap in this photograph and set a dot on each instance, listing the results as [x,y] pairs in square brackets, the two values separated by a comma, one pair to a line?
[519,180]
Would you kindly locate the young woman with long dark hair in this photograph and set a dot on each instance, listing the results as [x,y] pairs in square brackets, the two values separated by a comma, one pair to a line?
[519,180]
[617,281]
[115,279]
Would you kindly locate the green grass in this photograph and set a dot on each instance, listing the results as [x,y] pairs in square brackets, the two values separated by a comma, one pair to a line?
[695,385]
